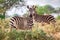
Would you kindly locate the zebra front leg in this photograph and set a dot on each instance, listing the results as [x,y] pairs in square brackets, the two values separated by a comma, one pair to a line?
[42,23]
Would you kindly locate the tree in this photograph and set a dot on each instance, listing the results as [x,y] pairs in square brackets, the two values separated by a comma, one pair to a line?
[45,9]
[7,4]
[40,10]
[57,10]
[49,8]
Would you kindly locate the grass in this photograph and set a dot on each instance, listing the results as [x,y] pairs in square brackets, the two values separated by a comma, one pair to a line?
[42,31]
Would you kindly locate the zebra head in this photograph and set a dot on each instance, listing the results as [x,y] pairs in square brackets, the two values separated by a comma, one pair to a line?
[32,10]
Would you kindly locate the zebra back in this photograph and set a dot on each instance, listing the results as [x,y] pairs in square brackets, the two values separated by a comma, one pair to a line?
[44,18]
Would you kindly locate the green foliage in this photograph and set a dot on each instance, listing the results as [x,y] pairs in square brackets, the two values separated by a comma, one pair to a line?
[7,4]
[49,8]
[13,0]
[28,35]
[40,35]
[58,17]
[2,16]
[24,35]
[45,9]
[12,35]
[2,1]
[2,35]
[40,10]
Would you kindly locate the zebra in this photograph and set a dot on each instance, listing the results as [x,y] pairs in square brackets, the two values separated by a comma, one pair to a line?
[41,18]
[21,22]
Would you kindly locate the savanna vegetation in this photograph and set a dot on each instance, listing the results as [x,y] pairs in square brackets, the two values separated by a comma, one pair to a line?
[38,32]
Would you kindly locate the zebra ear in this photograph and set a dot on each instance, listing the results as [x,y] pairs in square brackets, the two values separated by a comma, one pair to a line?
[28,7]
[34,6]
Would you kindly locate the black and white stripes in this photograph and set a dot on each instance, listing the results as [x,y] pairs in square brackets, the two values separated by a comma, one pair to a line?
[44,18]
[40,18]
[15,21]
[27,22]
[21,23]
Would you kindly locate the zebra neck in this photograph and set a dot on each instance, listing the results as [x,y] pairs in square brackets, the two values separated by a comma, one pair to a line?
[33,20]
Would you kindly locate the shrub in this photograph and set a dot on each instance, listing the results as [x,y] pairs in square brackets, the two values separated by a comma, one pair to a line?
[2,35]
[28,35]
[58,17]
[12,35]
[41,35]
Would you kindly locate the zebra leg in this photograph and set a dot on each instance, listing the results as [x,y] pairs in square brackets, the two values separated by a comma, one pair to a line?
[54,24]
[42,23]
[10,29]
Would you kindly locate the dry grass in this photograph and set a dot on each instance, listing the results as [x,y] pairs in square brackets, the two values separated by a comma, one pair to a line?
[47,28]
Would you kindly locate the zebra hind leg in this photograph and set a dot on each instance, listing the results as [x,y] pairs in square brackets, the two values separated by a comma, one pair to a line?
[42,23]
[54,24]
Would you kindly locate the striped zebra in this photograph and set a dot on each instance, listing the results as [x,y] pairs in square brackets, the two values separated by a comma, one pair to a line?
[21,22]
[41,18]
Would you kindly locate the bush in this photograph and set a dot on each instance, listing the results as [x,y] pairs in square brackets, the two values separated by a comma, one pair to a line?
[22,35]
[2,35]
[58,17]
[28,35]
[40,35]
[12,35]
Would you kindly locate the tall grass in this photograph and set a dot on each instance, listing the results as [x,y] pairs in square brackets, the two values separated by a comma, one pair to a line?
[38,32]
[24,35]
